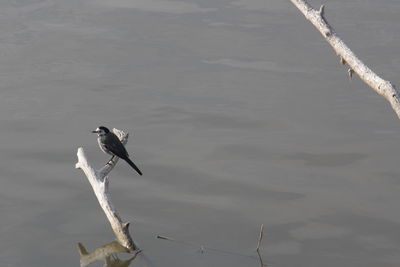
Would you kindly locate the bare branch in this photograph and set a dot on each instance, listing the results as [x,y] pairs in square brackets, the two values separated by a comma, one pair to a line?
[99,181]
[381,86]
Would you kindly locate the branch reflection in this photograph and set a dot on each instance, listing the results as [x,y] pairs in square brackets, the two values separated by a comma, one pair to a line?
[106,253]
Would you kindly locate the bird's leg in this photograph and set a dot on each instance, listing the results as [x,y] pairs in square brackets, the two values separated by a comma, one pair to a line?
[111,160]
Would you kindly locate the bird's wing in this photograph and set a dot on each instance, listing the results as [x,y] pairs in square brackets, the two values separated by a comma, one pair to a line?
[116,147]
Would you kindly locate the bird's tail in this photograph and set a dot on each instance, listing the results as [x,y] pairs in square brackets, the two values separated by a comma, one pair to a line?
[133,165]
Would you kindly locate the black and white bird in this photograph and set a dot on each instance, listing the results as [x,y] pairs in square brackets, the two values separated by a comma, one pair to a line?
[110,144]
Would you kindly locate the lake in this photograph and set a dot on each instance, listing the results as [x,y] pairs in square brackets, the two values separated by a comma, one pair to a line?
[239,114]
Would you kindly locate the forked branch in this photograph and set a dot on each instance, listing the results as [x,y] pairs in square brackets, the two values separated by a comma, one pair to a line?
[99,181]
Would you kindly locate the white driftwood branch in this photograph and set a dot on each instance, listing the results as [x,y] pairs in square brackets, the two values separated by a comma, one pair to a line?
[99,181]
[381,86]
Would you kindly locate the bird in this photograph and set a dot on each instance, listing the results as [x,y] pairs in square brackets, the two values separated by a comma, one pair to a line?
[110,144]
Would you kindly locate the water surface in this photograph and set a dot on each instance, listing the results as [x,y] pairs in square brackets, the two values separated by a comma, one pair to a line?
[239,113]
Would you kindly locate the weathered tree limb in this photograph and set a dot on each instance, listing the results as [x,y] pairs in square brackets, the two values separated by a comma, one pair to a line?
[99,181]
[381,86]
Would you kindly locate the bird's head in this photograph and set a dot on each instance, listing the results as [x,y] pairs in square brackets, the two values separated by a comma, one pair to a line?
[101,130]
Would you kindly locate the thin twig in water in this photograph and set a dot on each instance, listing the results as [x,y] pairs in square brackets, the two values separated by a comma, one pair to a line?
[203,248]
[260,237]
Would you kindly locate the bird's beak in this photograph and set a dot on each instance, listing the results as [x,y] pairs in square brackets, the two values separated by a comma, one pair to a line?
[94,131]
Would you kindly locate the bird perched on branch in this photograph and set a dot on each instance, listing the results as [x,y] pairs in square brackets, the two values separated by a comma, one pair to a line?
[110,144]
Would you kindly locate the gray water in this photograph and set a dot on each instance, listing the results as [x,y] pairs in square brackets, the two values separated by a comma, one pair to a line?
[239,113]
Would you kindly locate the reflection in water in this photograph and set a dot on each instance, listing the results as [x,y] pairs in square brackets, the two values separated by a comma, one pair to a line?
[106,253]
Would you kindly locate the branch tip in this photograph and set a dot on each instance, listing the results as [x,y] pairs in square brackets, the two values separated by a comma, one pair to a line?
[82,250]
[321,10]
[260,237]
[350,72]
[125,225]
[164,237]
